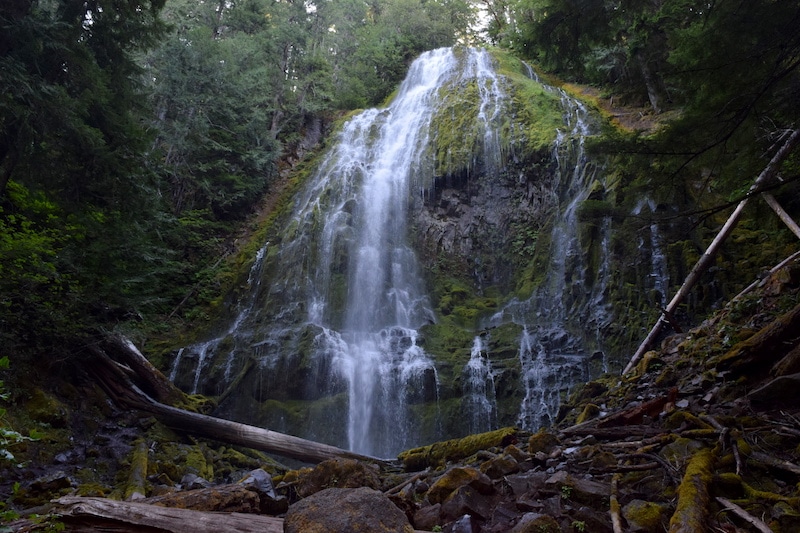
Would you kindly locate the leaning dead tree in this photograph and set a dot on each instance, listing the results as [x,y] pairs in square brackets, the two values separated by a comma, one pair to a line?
[707,258]
[132,382]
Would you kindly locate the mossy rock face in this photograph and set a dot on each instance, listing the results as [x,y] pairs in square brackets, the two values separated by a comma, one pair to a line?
[47,409]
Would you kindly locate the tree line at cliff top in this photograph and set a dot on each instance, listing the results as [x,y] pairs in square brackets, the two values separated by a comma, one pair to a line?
[137,135]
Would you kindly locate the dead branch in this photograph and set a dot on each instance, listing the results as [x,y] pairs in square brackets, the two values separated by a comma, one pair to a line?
[741,513]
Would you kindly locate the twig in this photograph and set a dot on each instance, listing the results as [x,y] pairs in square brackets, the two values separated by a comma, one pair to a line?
[616,518]
[741,513]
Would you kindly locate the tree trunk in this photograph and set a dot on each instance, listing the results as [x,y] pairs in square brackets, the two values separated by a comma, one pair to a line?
[653,94]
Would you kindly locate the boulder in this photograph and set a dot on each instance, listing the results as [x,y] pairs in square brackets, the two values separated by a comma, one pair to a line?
[644,516]
[346,511]
[458,477]
[537,523]
[339,473]
[466,500]
[428,517]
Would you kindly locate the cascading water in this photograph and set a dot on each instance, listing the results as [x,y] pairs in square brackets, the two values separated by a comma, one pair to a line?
[329,346]
[566,313]
[652,247]
[479,400]
[199,352]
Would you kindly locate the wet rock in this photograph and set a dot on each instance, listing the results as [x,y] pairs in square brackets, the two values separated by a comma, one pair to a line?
[465,524]
[592,520]
[543,441]
[260,482]
[580,490]
[500,466]
[194,482]
[519,455]
[521,484]
[337,510]
[51,483]
[458,477]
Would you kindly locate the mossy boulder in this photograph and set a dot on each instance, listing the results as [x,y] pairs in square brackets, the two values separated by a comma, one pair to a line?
[542,441]
[454,479]
[340,473]
[537,523]
[644,516]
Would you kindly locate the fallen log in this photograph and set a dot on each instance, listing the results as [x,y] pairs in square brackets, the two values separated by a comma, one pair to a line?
[86,514]
[117,384]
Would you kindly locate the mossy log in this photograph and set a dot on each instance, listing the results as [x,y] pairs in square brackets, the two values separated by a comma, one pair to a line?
[437,454]
[137,477]
[691,513]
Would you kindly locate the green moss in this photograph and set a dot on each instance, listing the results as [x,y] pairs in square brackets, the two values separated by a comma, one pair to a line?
[529,125]
[439,453]
[542,441]
[589,412]
[691,511]
[137,471]
[645,516]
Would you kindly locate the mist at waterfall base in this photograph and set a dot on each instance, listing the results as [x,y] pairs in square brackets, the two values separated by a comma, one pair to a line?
[326,338]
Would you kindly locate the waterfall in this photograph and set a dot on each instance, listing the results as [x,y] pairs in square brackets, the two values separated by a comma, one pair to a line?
[325,340]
